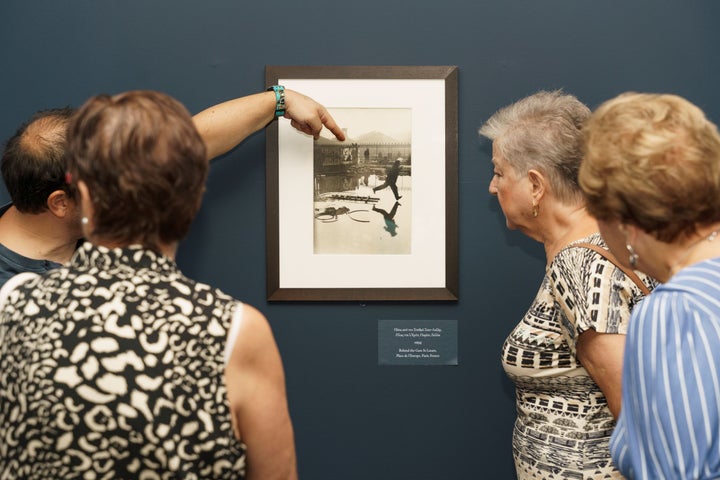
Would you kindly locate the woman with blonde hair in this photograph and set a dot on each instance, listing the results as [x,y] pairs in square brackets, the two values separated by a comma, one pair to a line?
[651,174]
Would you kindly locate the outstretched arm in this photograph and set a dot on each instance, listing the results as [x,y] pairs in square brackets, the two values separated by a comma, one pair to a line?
[225,125]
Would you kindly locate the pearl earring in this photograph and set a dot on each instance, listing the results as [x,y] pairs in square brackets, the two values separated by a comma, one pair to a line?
[633,257]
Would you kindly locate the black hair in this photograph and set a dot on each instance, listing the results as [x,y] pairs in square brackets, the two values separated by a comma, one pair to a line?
[34,160]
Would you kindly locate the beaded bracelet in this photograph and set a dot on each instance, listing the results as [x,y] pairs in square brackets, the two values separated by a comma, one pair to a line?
[279,99]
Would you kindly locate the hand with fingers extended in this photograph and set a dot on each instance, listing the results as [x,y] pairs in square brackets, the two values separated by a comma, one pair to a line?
[308,116]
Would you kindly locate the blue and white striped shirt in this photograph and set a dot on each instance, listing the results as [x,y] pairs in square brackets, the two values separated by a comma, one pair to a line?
[669,426]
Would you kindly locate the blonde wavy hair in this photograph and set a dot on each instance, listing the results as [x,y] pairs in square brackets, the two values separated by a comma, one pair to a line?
[652,160]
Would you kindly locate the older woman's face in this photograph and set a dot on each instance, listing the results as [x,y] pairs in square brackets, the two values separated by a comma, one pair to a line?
[512,191]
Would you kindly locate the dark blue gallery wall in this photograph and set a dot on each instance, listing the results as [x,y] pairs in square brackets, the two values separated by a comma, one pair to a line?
[353,419]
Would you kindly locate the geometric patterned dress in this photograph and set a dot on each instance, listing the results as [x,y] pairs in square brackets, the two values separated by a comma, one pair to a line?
[563,424]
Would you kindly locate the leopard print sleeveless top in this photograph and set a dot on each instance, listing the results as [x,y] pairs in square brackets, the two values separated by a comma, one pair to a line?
[112,367]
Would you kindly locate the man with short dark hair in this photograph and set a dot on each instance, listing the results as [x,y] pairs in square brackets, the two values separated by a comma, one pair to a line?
[40,229]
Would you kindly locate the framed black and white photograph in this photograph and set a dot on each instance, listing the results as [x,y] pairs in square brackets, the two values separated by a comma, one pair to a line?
[373,217]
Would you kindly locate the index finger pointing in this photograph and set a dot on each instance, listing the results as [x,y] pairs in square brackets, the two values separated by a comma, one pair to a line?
[330,124]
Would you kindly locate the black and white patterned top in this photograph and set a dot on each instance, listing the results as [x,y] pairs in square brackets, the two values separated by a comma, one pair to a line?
[112,367]
[564,424]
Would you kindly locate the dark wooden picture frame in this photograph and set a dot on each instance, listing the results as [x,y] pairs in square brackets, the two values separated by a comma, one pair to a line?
[404,81]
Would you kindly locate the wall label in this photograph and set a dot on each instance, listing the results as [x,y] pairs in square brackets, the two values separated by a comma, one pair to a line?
[417,342]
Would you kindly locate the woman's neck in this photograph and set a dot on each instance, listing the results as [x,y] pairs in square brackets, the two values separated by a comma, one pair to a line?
[567,224]
[701,246]
[169,250]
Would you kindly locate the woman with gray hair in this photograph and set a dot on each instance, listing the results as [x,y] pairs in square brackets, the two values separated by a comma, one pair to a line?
[565,355]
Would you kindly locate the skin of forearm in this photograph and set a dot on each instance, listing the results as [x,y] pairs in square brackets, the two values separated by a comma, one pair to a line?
[225,125]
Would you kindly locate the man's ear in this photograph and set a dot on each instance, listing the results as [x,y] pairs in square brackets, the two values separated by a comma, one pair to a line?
[58,203]
[538,184]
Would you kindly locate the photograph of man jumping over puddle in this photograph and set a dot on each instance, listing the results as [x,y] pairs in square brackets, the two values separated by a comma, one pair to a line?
[363,185]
